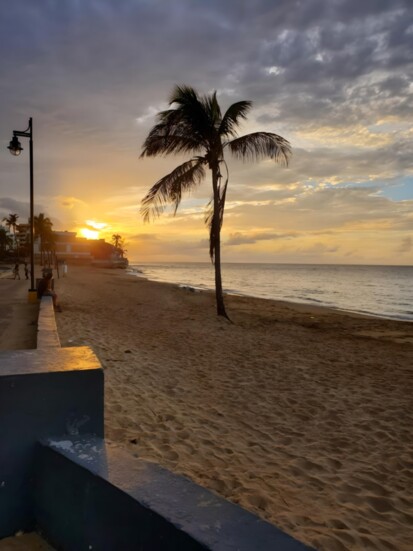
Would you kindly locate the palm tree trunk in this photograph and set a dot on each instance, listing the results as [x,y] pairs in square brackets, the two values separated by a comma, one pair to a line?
[216,236]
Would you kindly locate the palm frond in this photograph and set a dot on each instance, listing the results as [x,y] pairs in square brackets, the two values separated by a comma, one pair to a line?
[185,128]
[183,94]
[260,145]
[213,111]
[232,117]
[172,134]
[162,141]
[169,189]
[192,111]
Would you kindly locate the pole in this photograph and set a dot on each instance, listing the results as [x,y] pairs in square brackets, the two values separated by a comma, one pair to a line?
[32,287]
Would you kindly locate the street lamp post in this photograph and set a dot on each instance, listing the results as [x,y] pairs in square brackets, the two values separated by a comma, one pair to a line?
[15,148]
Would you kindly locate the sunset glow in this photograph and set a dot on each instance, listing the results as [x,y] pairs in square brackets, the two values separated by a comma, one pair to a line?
[96,225]
[334,81]
[93,229]
[89,234]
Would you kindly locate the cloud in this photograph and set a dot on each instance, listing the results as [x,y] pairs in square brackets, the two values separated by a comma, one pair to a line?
[143,237]
[70,202]
[333,77]
[406,245]
[326,209]
[317,249]
[9,205]
[150,113]
[239,238]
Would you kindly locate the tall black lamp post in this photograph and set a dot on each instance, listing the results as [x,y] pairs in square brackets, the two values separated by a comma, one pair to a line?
[15,148]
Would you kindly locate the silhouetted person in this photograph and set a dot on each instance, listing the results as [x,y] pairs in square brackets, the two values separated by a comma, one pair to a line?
[44,289]
[16,271]
[26,270]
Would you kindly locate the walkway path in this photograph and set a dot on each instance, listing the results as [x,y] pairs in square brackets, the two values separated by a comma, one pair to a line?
[18,330]
[18,318]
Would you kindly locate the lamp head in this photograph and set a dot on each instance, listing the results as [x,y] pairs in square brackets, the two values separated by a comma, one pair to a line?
[15,147]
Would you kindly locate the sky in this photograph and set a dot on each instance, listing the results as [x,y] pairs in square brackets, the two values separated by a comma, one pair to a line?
[334,77]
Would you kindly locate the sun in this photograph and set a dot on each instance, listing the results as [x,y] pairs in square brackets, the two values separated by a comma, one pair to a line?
[92,229]
[89,234]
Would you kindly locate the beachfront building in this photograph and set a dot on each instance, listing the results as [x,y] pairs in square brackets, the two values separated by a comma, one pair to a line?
[22,237]
[72,249]
[66,246]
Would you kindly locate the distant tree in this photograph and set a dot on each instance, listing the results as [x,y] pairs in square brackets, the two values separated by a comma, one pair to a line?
[197,126]
[42,229]
[116,238]
[121,249]
[11,223]
[119,244]
[5,241]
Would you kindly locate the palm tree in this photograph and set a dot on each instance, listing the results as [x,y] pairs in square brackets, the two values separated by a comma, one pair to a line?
[197,126]
[5,241]
[11,222]
[42,229]
[49,247]
[119,244]
[116,239]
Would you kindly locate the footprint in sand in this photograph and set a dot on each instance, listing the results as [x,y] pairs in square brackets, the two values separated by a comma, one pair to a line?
[307,465]
[333,464]
[257,500]
[217,485]
[337,524]
[379,504]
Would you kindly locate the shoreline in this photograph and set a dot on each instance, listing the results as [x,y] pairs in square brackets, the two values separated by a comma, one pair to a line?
[301,414]
[310,304]
[138,270]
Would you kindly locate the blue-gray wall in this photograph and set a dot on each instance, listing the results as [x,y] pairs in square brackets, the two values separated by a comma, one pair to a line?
[42,392]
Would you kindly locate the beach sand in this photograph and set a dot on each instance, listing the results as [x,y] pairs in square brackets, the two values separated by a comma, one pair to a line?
[25,542]
[302,415]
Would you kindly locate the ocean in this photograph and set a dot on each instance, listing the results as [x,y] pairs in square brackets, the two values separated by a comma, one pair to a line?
[383,291]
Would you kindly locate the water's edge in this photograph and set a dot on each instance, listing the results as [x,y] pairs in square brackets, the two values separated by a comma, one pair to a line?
[193,276]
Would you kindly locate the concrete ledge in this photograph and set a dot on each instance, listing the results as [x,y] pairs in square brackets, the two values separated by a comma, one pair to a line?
[42,392]
[93,495]
[47,335]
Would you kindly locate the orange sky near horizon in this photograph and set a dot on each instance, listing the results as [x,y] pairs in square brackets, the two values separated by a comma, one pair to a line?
[335,79]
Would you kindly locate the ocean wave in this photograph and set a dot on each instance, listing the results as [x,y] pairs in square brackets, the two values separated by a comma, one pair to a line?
[379,291]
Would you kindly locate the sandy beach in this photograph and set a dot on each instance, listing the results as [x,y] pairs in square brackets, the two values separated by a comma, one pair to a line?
[301,415]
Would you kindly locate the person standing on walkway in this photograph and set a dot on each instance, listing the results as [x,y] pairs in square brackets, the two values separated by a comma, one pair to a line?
[16,271]
[26,270]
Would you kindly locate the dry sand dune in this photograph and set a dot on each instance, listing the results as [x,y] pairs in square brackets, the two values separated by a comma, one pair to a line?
[301,415]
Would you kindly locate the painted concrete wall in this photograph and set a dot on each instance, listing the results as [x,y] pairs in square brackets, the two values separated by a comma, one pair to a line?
[42,392]
[47,334]
[91,494]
